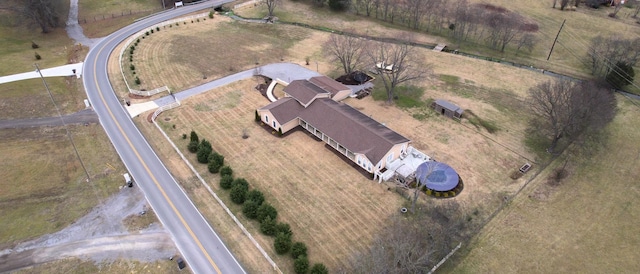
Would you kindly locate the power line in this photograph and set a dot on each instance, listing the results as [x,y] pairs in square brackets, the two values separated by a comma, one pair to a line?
[63,122]
[555,40]
[606,61]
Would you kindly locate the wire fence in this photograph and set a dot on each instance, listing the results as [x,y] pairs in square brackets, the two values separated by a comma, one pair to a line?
[101,17]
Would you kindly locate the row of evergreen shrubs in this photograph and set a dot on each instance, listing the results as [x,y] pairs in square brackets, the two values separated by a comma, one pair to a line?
[132,48]
[254,206]
[132,67]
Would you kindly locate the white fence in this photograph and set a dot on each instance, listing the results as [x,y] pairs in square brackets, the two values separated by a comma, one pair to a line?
[143,32]
[235,219]
[164,108]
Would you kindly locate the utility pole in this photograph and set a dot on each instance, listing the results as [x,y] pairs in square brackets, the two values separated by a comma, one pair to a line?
[63,122]
[554,41]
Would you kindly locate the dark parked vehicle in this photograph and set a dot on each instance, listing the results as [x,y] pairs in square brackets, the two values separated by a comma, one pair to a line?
[181,263]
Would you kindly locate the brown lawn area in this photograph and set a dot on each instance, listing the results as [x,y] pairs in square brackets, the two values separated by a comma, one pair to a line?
[51,191]
[331,206]
[588,224]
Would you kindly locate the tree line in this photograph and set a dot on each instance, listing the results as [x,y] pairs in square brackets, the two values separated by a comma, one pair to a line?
[495,26]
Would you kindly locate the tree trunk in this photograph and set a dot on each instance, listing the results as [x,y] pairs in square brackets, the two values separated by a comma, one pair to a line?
[554,143]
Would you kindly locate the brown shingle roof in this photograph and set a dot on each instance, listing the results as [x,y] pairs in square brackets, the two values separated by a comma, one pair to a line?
[284,110]
[303,91]
[351,128]
[328,84]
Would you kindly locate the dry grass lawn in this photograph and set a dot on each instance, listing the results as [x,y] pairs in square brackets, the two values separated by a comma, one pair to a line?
[118,266]
[581,26]
[44,187]
[182,56]
[588,224]
[330,206]
[100,18]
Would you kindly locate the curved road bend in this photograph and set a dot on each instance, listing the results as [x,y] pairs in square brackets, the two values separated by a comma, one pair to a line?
[199,244]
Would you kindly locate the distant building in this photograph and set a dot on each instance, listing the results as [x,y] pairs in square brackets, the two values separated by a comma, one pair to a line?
[447,109]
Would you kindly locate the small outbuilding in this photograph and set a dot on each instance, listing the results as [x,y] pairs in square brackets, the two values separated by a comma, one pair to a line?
[447,108]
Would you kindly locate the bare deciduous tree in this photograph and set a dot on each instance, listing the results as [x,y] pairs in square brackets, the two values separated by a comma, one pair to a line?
[363,6]
[271,6]
[527,42]
[43,13]
[415,9]
[564,109]
[396,64]
[415,243]
[604,53]
[637,10]
[503,28]
[348,50]
[388,9]
[617,8]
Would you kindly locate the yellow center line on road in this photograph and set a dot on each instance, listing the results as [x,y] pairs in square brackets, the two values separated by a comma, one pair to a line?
[155,181]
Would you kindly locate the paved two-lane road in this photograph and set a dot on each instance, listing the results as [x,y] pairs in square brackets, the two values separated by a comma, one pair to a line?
[196,240]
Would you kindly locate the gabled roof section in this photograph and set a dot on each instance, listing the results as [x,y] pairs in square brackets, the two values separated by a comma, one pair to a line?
[284,110]
[448,105]
[328,84]
[351,128]
[304,91]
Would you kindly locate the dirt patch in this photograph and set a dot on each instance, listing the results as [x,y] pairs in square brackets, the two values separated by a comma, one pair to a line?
[104,234]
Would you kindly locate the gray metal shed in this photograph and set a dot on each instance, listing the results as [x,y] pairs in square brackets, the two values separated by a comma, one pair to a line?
[447,109]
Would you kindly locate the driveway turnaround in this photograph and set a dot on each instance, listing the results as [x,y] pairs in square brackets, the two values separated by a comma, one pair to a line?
[201,247]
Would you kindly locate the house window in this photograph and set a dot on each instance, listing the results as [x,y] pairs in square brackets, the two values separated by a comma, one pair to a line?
[390,157]
[266,119]
[359,161]
[274,124]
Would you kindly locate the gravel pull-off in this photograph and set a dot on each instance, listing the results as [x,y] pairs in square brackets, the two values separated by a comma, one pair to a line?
[99,236]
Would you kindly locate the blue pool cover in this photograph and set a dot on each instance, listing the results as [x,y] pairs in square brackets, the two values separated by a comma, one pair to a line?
[437,176]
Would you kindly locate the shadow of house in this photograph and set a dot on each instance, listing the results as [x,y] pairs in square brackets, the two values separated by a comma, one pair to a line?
[447,109]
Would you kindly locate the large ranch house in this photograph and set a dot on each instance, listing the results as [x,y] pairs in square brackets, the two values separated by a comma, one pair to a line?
[315,106]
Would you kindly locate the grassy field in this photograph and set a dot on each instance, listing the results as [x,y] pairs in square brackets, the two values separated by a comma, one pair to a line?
[568,55]
[44,186]
[337,213]
[18,56]
[223,114]
[485,160]
[118,266]
[568,228]
[329,205]
[100,18]
[190,53]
